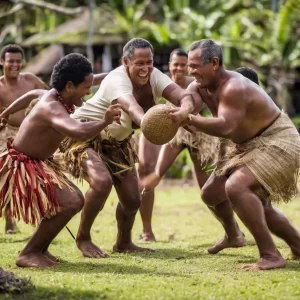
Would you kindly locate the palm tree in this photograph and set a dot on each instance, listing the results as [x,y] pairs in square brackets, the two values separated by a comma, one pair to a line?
[132,19]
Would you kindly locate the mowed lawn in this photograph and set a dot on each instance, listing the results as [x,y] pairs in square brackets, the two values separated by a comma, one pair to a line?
[180,267]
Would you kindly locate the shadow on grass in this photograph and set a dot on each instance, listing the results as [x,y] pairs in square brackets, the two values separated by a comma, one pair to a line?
[206,246]
[164,254]
[40,293]
[111,268]
[179,253]
[14,239]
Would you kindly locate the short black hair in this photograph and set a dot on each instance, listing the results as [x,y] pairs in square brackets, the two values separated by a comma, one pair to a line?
[208,49]
[133,44]
[72,67]
[248,73]
[11,48]
[178,52]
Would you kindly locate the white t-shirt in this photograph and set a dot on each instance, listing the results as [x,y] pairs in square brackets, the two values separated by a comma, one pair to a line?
[116,84]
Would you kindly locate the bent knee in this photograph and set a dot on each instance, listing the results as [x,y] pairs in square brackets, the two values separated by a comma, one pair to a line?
[101,184]
[207,196]
[231,188]
[75,202]
[133,205]
[146,169]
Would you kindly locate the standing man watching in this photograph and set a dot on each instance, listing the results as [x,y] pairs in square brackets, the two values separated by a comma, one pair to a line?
[14,84]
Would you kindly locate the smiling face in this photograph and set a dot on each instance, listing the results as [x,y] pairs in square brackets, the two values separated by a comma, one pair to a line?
[78,92]
[178,67]
[140,66]
[204,73]
[12,64]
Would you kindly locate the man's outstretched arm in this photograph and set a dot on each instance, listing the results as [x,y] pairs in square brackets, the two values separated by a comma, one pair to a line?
[231,110]
[132,108]
[63,123]
[22,102]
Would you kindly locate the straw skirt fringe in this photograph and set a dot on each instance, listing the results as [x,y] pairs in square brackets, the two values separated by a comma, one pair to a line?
[273,157]
[27,186]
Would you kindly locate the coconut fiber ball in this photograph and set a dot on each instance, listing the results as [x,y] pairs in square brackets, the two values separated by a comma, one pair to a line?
[158,126]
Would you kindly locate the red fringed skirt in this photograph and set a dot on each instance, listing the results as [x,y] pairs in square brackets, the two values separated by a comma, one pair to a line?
[27,186]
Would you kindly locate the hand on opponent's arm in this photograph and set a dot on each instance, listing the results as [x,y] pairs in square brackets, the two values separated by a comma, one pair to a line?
[81,131]
[189,101]
[132,108]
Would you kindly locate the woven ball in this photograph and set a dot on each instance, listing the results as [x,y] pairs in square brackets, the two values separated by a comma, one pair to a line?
[158,126]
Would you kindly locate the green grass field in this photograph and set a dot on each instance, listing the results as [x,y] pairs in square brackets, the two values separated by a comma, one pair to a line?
[180,268]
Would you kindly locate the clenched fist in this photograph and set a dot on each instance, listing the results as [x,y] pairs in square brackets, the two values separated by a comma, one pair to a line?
[112,114]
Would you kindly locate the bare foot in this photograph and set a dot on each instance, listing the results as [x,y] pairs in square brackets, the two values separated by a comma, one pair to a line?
[50,256]
[267,264]
[130,248]
[35,260]
[89,249]
[223,243]
[295,255]
[295,250]
[147,237]
[10,225]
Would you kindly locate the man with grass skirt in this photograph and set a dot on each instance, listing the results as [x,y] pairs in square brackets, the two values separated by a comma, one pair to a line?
[260,165]
[32,185]
[109,158]
[14,84]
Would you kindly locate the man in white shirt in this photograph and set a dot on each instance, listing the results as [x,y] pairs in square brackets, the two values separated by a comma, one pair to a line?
[109,159]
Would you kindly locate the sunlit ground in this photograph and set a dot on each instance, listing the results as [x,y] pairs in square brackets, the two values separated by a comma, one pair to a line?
[180,268]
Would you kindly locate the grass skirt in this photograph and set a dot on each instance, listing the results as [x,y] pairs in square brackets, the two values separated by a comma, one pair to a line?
[7,132]
[118,156]
[203,144]
[27,186]
[273,158]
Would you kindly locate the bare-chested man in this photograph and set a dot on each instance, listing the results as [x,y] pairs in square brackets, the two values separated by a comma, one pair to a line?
[37,190]
[201,147]
[261,162]
[14,84]
[170,151]
[109,158]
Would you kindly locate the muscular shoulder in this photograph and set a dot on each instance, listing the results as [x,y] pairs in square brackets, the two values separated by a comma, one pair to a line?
[194,87]
[234,87]
[31,78]
[189,79]
[48,106]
